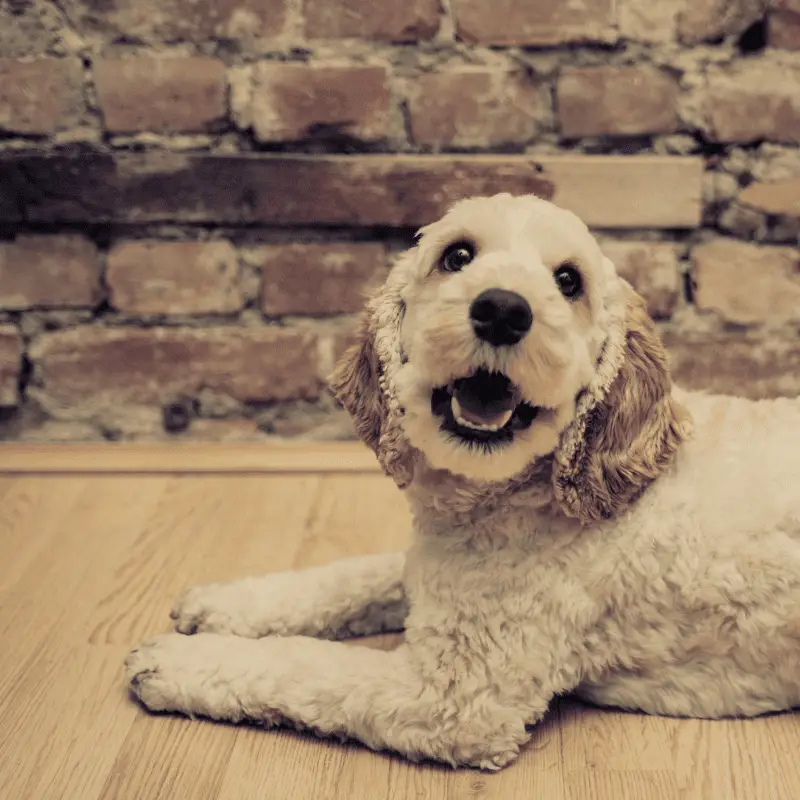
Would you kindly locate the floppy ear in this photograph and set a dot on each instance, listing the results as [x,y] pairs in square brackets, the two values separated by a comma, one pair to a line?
[355,383]
[360,384]
[628,426]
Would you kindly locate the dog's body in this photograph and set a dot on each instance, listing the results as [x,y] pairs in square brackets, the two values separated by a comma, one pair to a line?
[591,543]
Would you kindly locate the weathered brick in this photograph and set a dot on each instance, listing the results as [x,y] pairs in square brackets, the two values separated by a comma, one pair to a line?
[755,99]
[701,20]
[296,101]
[29,26]
[746,283]
[60,271]
[784,24]
[398,191]
[10,364]
[778,197]
[238,429]
[600,101]
[744,364]
[164,95]
[319,278]
[652,268]
[149,277]
[545,22]
[109,366]
[646,21]
[409,21]
[171,20]
[474,107]
[42,96]
[225,430]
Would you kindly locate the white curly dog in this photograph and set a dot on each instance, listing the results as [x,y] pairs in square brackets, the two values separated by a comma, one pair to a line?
[580,524]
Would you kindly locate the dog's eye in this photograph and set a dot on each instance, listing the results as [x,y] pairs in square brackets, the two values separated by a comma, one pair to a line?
[569,280]
[457,256]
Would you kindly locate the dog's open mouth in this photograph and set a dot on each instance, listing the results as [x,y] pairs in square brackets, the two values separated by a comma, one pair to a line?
[485,407]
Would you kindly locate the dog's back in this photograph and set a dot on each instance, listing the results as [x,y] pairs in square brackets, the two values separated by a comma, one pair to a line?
[741,469]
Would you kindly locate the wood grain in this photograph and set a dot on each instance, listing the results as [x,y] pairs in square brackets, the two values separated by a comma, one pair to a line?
[89,565]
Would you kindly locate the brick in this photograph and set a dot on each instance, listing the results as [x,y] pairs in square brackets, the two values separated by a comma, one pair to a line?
[396,191]
[239,429]
[110,366]
[189,20]
[149,277]
[784,24]
[652,268]
[746,283]
[164,95]
[622,101]
[545,22]
[287,102]
[701,20]
[646,21]
[756,99]
[224,430]
[50,431]
[319,278]
[10,364]
[779,197]
[410,21]
[474,107]
[60,271]
[737,363]
[40,97]
[29,26]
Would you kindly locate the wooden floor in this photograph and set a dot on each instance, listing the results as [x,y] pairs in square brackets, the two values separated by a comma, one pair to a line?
[90,559]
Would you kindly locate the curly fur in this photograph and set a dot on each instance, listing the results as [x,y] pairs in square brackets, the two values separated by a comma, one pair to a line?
[638,544]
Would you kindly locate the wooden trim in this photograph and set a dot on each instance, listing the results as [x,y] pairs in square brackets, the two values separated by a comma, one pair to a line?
[187,458]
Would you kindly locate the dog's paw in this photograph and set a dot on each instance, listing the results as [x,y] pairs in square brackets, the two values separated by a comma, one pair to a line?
[202,675]
[496,761]
[154,671]
[214,608]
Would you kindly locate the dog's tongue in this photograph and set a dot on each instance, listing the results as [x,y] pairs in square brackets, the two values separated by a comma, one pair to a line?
[486,398]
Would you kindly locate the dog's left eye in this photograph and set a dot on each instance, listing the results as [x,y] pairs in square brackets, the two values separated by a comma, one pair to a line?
[569,280]
[457,256]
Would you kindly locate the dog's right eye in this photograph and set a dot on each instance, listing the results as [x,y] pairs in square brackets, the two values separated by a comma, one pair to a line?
[457,256]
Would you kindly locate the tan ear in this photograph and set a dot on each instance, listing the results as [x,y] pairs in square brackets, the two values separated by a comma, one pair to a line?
[355,383]
[359,384]
[626,434]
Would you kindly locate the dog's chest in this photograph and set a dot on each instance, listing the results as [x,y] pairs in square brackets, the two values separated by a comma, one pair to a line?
[513,569]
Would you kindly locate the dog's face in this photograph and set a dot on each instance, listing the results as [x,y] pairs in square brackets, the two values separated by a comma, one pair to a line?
[503,326]
[505,335]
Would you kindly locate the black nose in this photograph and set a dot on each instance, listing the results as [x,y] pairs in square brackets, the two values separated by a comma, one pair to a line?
[500,317]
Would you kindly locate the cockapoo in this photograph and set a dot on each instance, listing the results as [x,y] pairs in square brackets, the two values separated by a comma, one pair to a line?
[580,524]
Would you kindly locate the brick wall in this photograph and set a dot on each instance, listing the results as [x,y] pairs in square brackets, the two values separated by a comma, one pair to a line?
[195,194]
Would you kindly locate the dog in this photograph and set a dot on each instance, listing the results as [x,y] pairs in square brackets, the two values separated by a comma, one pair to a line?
[581,524]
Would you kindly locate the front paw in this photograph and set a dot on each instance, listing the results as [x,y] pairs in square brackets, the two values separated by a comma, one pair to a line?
[214,608]
[154,671]
[191,675]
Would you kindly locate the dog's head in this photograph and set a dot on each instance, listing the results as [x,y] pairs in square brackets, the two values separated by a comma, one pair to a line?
[503,336]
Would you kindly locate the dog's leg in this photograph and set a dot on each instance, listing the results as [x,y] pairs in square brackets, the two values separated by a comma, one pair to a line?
[375,696]
[354,596]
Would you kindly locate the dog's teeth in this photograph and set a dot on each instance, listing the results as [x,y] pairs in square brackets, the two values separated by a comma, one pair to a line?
[455,407]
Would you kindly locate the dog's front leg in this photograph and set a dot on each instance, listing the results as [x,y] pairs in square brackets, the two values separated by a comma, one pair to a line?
[374,696]
[362,595]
